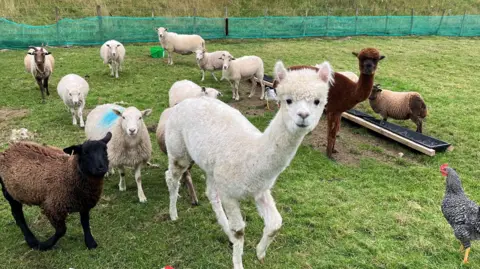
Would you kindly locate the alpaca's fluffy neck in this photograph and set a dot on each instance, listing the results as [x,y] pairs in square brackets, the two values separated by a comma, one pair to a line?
[364,86]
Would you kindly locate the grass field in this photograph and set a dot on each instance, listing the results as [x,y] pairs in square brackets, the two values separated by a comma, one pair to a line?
[44,12]
[368,209]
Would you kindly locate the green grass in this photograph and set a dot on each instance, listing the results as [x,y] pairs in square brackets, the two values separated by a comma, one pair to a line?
[373,215]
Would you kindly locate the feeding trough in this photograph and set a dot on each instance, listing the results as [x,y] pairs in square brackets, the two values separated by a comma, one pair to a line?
[420,142]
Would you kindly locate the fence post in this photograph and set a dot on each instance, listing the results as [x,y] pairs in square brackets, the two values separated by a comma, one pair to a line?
[440,24]
[57,17]
[100,22]
[305,22]
[226,21]
[265,23]
[386,21]
[328,16]
[411,24]
[356,19]
[194,20]
[463,21]
[153,12]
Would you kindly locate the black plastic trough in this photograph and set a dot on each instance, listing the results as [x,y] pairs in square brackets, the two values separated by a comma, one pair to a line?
[418,138]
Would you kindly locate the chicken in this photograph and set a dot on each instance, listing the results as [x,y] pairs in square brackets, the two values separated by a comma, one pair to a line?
[271,95]
[460,212]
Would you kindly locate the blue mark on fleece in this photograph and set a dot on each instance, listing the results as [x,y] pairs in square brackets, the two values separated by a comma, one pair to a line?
[109,119]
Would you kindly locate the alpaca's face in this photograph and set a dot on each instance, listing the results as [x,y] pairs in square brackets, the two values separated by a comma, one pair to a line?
[132,119]
[368,60]
[303,94]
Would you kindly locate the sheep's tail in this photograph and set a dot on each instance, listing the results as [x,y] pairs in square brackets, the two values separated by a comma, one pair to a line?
[417,104]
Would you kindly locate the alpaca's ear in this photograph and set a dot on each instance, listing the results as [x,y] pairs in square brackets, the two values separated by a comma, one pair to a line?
[147,112]
[325,72]
[116,111]
[355,53]
[76,149]
[280,71]
[382,57]
[107,138]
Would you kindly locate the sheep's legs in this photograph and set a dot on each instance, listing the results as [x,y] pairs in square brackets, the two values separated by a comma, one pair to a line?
[112,69]
[45,85]
[252,91]
[138,179]
[85,221]
[233,89]
[213,75]
[333,120]
[40,84]
[17,212]
[262,84]
[173,176]
[170,59]
[74,118]
[121,185]
[237,228]
[237,96]
[418,122]
[57,219]
[273,222]
[116,69]
[80,115]
[203,75]
[219,213]
[187,178]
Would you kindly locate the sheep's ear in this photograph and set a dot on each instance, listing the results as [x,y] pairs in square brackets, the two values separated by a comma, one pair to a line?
[77,149]
[355,53]
[325,72]
[382,57]
[219,94]
[146,112]
[166,29]
[116,111]
[204,90]
[48,53]
[107,138]
[280,71]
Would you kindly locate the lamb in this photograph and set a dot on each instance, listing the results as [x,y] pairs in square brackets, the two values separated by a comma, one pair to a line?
[60,184]
[160,133]
[181,44]
[209,61]
[39,62]
[243,68]
[398,105]
[184,89]
[239,160]
[130,146]
[113,54]
[73,90]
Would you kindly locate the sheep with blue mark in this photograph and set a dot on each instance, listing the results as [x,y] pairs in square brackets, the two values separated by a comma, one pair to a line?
[130,145]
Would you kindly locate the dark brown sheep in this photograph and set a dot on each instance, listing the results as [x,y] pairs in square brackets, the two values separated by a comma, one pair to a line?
[60,184]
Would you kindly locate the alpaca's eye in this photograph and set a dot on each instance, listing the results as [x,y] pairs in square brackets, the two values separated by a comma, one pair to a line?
[316,102]
[289,101]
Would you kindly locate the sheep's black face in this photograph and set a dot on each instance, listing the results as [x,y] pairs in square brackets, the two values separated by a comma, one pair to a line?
[92,156]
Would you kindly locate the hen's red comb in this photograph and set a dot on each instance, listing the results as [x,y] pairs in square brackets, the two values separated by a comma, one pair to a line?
[168,267]
[443,166]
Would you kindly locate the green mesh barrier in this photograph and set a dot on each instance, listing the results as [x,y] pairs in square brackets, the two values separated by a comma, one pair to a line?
[96,30]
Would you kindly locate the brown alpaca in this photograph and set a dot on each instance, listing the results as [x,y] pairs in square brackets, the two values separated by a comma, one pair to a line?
[345,94]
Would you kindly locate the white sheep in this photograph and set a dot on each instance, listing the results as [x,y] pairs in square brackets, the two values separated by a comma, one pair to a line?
[184,89]
[209,61]
[398,105]
[73,90]
[243,68]
[113,54]
[40,63]
[239,160]
[181,44]
[130,145]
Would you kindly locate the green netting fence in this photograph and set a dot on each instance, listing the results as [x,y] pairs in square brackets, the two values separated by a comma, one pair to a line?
[96,30]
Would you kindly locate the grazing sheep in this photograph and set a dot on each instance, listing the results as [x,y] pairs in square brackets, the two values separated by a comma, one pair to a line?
[352,76]
[39,62]
[160,133]
[398,105]
[60,184]
[209,61]
[73,90]
[113,54]
[243,68]
[130,146]
[181,44]
[184,89]
[239,160]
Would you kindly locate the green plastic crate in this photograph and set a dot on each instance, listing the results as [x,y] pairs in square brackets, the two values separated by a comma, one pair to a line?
[157,52]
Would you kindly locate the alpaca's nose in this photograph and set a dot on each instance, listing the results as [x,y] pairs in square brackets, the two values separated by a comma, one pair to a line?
[303,115]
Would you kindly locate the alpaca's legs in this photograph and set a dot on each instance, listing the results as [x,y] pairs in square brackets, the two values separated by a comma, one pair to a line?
[237,228]
[57,219]
[85,221]
[252,91]
[74,118]
[121,185]
[273,221]
[138,179]
[203,75]
[214,198]
[17,213]
[80,114]
[173,176]
[237,96]
[187,178]
[213,75]
[333,120]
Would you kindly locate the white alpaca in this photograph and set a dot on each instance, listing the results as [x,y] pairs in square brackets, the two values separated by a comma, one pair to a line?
[239,160]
